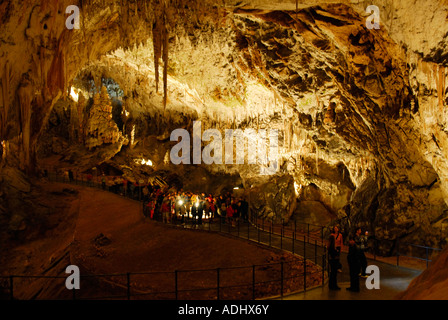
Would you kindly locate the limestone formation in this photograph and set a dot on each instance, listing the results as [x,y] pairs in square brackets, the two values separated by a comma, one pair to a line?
[101,129]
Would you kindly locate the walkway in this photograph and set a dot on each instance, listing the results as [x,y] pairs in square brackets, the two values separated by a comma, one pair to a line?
[393,279]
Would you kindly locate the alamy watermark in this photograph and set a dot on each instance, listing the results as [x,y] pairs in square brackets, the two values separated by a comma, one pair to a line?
[73,280]
[375,17]
[255,143]
[72,22]
[373,280]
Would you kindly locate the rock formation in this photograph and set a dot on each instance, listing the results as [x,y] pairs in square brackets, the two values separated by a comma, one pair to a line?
[101,129]
[361,112]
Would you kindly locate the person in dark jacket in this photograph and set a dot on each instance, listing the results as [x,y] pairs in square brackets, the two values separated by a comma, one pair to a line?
[353,264]
[201,211]
[333,259]
[194,211]
[244,210]
[361,243]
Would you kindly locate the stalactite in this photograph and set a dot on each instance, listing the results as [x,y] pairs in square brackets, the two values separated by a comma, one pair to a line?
[5,94]
[81,123]
[156,34]
[25,92]
[441,87]
[165,38]
[291,135]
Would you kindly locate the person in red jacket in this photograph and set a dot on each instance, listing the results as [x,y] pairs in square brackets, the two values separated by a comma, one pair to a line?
[229,214]
[333,258]
[150,209]
[165,212]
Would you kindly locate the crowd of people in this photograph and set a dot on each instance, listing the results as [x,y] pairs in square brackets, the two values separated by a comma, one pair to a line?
[169,205]
[356,258]
[178,206]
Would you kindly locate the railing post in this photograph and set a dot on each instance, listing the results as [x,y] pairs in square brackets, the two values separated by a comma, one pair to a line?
[281,237]
[238,227]
[322,234]
[217,286]
[304,247]
[248,230]
[175,285]
[270,233]
[308,232]
[282,230]
[324,263]
[128,282]
[295,227]
[375,246]
[281,283]
[398,253]
[258,234]
[253,282]
[11,287]
[304,274]
[293,240]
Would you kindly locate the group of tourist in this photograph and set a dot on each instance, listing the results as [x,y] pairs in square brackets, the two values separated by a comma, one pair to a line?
[169,205]
[356,257]
[177,206]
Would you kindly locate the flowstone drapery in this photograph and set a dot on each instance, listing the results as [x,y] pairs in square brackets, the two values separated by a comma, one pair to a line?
[101,128]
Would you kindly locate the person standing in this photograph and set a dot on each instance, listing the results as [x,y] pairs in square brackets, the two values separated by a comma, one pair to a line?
[354,265]
[229,214]
[89,179]
[361,243]
[333,259]
[339,243]
[200,211]
[244,210]
[194,211]
[165,212]
[103,181]
[125,186]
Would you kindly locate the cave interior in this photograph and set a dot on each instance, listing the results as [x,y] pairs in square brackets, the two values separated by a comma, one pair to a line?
[353,117]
